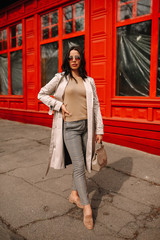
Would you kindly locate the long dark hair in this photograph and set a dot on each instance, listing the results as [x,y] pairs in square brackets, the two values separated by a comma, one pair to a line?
[66,68]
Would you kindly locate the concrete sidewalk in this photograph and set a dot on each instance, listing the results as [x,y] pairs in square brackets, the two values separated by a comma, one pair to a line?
[125,196]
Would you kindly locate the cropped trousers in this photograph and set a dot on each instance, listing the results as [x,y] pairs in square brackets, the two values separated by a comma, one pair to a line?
[75,138]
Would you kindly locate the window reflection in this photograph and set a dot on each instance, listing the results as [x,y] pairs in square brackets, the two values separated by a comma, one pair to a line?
[3,39]
[13,42]
[4,45]
[126,11]
[16,35]
[49,62]
[20,41]
[19,29]
[45,20]
[46,33]
[74,22]
[125,8]
[143,7]
[69,27]
[49,27]
[54,18]
[16,73]
[68,12]
[133,59]
[5,34]
[3,74]
[13,31]
[54,31]
[67,43]
[79,9]
[79,24]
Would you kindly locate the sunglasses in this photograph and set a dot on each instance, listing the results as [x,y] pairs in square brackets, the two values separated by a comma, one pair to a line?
[77,58]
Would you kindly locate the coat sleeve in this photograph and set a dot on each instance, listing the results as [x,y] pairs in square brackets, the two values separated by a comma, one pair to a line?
[97,112]
[49,89]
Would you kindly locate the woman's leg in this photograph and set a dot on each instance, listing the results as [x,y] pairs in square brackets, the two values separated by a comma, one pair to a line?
[73,132]
[84,146]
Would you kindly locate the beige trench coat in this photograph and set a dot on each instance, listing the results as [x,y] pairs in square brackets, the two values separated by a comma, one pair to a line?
[56,87]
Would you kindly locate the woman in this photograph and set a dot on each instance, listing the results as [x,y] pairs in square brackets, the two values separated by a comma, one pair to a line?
[77,118]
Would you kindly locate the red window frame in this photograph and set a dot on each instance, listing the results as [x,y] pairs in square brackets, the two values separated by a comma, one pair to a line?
[154,17]
[60,36]
[8,51]
[16,36]
[134,3]
[2,39]
[49,26]
[74,18]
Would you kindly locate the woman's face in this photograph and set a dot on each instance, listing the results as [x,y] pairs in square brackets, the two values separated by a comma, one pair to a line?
[74,59]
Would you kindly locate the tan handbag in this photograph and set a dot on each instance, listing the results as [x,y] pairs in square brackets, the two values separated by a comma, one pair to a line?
[99,159]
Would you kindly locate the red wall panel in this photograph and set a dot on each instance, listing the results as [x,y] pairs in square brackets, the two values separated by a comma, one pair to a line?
[30,63]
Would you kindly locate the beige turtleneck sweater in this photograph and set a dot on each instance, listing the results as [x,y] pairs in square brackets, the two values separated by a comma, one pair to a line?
[75,100]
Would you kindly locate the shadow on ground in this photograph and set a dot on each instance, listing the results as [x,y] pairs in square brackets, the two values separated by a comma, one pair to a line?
[107,183]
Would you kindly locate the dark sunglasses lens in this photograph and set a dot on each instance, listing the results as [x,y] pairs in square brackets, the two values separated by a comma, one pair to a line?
[76,58]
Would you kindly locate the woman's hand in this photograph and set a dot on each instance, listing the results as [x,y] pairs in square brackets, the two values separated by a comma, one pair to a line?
[99,138]
[64,112]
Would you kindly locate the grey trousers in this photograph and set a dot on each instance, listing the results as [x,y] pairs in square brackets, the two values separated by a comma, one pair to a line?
[75,138]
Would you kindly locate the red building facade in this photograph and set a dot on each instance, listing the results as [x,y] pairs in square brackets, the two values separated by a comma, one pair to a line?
[121,43]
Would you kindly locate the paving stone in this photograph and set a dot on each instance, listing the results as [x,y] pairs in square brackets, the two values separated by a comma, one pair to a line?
[24,158]
[124,158]
[58,185]
[113,218]
[65,228]
[150,234]
[22,203]
[134,207]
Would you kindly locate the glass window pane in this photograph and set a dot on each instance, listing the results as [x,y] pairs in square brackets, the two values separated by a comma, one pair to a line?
[4,34]
[0,46]
[67,43]
[133,59]
[68,27]
[126,11]
[68,12]
[20,41]
[54,31]
[45,21]
[19,29]
[4,45]
[3,74]
[79,24]
[143,7]
[54,18]
[79,9]
[13,42]
[49,62]
[158,72]
[16,73]
[13,31]
[122,1]
[46,33]
[0,35]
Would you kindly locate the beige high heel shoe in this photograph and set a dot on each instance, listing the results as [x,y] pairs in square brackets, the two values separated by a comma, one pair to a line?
[88,221]
[77,202]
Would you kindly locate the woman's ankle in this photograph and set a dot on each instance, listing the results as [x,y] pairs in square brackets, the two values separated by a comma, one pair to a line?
[74,193]
[87,209]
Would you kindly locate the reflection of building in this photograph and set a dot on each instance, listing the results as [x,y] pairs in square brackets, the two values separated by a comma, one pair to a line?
[121,41]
